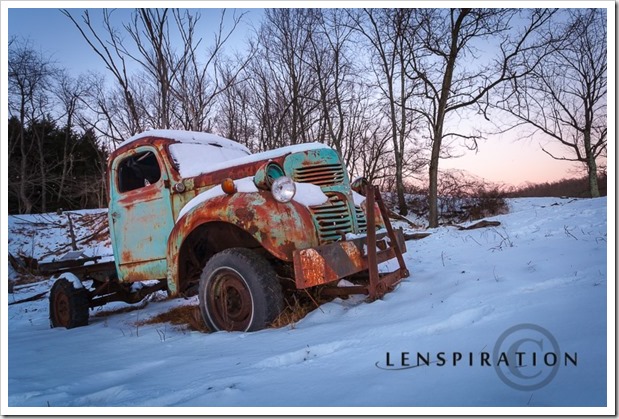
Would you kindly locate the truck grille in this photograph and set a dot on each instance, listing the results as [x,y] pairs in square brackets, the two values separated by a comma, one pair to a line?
[362,222]
[321,175]
[332,219]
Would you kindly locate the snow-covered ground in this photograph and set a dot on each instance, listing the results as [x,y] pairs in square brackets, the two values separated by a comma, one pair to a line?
[46,237]
[544,267]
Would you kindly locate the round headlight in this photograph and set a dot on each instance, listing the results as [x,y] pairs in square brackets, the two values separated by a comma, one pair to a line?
[266,174]
[283,189]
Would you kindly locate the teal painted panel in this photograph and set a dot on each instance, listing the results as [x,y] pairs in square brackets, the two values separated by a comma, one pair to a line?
[323,167]
[140,223]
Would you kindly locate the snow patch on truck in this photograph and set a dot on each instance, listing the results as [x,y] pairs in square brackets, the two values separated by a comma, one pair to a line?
[196,160]
[194,137]
[309,194]
[200,152]
[306,194]
[245,185]
[72,278]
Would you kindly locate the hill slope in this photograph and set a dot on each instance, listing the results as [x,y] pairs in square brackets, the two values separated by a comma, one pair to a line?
[544,267]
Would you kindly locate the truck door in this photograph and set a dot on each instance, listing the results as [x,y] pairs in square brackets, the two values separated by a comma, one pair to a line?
[140,214]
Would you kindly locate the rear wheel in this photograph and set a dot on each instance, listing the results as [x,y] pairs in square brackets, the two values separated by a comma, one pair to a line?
[68,306]
[239,290]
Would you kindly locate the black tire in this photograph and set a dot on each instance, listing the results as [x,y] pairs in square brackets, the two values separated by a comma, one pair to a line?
[239,291]
[68,306]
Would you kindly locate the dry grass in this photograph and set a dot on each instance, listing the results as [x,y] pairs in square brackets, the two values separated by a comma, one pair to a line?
[187,316]
[298,305]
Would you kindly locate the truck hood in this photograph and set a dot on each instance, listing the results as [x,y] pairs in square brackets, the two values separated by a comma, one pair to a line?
[192,161]
[307,194]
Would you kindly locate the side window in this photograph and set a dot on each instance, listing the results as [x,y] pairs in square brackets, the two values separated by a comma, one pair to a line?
[137,171]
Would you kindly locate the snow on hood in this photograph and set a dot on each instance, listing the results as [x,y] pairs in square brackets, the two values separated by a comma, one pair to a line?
[193,160]
[242,185]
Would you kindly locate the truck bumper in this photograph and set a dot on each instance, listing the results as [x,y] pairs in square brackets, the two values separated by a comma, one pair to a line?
[323,264]
[327,263]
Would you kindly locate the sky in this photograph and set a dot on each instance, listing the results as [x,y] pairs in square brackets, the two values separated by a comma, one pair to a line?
[500,159]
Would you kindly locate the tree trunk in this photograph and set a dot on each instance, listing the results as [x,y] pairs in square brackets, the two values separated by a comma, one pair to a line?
[592,169]
[400,187]
[42,167]
[433,187]
[25,206]
[65,157]
[399,148]
[594,190]
[440,118]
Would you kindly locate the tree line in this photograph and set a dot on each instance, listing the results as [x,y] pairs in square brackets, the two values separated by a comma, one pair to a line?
[51,164]
[387,88]
[573,187]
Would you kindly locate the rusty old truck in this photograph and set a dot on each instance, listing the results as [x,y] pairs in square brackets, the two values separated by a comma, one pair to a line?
[192,212]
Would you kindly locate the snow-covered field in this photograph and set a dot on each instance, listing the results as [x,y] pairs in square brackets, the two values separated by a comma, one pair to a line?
[544,267]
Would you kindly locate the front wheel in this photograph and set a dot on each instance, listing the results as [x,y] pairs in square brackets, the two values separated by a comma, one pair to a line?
[239,290]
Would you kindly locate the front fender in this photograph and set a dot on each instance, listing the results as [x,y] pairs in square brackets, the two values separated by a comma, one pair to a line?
[279,228]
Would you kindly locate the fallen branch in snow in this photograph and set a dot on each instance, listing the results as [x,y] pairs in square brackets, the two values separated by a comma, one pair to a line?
[17,264]
[26,269]
[481,224]
[39,224]
[397,216]
[82,240]
[416,236]
[33,298]
[569,233]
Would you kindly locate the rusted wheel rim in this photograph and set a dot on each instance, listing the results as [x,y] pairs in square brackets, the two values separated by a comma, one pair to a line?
[62,310]
[229,300]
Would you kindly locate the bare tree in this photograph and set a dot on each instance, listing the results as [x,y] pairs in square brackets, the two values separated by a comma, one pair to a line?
[156,85]
[198,84]
[70,93]
[374,156]
[330,60]
[450,38]
[386,31]
[284,40]
[149,30]
[267,107]
[30,74]
[113,54]
[235,117]
[563,96]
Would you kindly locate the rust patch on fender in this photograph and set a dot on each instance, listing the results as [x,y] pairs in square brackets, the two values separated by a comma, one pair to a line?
[244,214]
